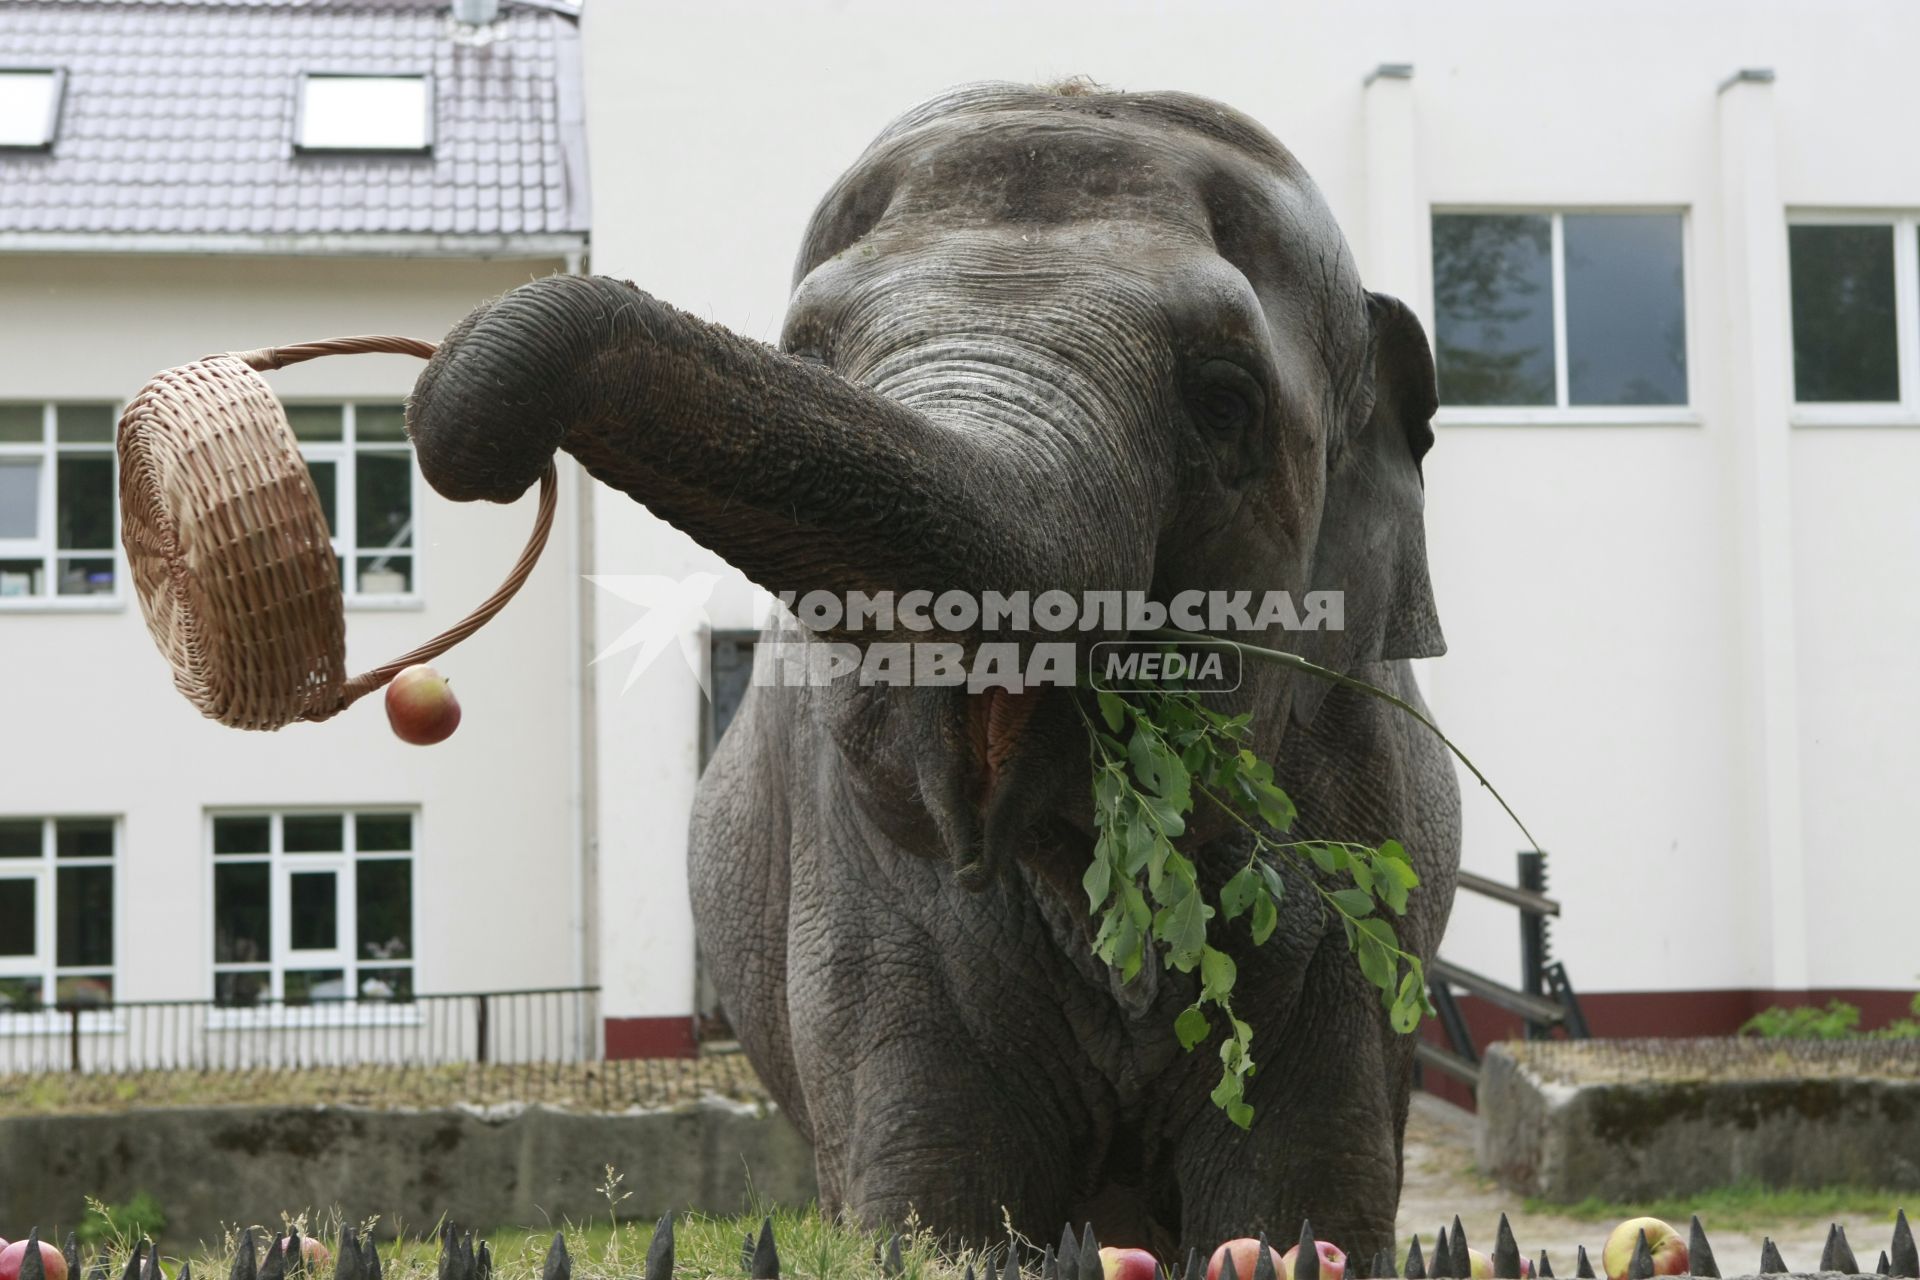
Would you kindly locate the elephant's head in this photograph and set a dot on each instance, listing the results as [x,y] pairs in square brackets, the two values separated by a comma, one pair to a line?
[1038,341]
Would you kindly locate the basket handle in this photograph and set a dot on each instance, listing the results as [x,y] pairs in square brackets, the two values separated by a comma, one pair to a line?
[264,358]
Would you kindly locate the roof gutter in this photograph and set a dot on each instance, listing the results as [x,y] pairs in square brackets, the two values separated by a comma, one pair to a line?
[552,245]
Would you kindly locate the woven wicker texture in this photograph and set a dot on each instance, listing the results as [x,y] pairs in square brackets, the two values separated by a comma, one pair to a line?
[229,546]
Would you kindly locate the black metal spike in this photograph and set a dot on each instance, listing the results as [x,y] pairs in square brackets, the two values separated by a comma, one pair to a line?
[893,1266]
[1194,1270]
[274,1265]
[1640,1265]
[1049,1265]
[135,1257]
[746,1252]
[71,1252]
[32,1266]
[245,1265]
[1416,1267]
[1090,1268]
[296,1250]
[483,1263]
[97,1269]
[1011,1271]
[1459,1261]
[1583,1268]
[659,1250]
[1903,1257]
[1771,1263]
[559,1263]
[449,1246]
[369,1260]
[186,1271]
[1306,1263]
[152,1269]
[970,1275]
[1838,1254]
[766,1259]
[1885,1268]
[1545,1270]
[1383,1268]
[1506,1252]
[1700,1259]
[1067,1257]
[346,1260]
[1229,1271]
[1442,1268]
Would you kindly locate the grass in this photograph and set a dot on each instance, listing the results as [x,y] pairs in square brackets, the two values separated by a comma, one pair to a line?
[1746,1206]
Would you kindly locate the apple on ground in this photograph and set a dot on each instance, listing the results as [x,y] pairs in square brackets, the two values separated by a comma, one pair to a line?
[1128,1264]
[1333,1262]
[1481,1266]
[312,1252]
[14,1254]
[1245,1253]
[1668,1247]
[421,706]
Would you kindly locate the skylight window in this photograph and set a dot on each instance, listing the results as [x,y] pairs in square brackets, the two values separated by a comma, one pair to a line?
[29,107]
[364,113]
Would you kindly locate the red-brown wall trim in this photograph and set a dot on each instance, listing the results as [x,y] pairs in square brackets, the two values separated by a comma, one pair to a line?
[651,1037]
[1624,1014]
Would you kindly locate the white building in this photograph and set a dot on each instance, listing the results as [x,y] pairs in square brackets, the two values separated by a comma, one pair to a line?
[1669,255]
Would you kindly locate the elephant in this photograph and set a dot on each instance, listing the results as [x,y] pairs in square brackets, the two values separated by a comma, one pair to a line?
[1040,338]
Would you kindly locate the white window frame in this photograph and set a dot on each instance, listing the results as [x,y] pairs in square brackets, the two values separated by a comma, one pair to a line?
[281,866]
[344,455]
[1561,412]
[44,962]
[1904,412]
[41,546]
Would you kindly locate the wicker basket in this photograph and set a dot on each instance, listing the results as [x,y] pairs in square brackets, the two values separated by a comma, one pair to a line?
[229,547]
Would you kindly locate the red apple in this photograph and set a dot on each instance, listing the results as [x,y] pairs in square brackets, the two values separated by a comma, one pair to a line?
[14,1254]
[1482,1266]
[421,706]
[1669,1248]
[312,1252]
[1128,1264]
[1333,1263]
[1246,1255]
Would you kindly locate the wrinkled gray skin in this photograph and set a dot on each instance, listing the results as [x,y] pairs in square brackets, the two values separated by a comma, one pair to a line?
[1038,340]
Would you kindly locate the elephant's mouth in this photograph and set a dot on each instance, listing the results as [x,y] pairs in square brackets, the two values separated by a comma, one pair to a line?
[997,719]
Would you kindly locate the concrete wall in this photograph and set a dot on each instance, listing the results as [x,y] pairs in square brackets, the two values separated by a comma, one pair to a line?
[93,725]
[1662,635]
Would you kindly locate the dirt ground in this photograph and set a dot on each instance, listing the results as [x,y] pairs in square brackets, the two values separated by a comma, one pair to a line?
[1442,1181]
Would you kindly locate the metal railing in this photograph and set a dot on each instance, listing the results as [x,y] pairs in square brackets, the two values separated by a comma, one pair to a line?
[1545,999]
[554,1024]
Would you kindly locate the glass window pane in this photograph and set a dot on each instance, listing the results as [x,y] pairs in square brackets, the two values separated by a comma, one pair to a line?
[19,497]
[241,989]
[20,838]
[19,917]
[387,575]
[20,994]
[386,984]
[380,422]
[83,917]
[86,575]
[326,483]
[83,423]
[242,918]
[383,832]
[317,984]
[316,421]
[383,499]
[241,835]
[1493,308]
[20,578]
[1626,309]
[83,837]
[363,113]
[314,833]
[313,911]
[383,894]
[91,988]
[1844,348]
[22,424]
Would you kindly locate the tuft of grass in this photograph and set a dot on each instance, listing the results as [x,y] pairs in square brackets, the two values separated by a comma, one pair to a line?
[1746,1206]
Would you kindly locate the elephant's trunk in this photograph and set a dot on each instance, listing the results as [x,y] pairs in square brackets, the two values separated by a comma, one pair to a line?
[798,477]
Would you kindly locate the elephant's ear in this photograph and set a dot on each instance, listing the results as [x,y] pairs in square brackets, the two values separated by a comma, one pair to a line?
[1373,542]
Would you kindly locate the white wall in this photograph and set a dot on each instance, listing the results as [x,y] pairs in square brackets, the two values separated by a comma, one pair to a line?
[1600,585]
[92,723]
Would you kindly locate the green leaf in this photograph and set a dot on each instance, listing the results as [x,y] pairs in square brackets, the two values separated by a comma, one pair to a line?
[1266,918]
[1237,894]
[1327,857]
[1241,1113]
[1393,849]
[1098,882]
[1362,874]
[1405,1015]
[1270,875]
[1183,927]
[1166,815]
[1192,1027]
[1217,975]
[1375,953]
[1276,807]
[1353,902]
[1141,838]
[1113,709]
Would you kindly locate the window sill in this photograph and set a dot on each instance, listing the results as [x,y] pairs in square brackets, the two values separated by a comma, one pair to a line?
[1853,415]
[53,1022]
[1586,416]
[386,604]
[301,1017]
[62,604]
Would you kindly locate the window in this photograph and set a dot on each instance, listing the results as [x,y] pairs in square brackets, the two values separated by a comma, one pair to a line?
[362,466]
[56,911]
[30,107]
[312,906]
[1855,291]
[364,113]
[1583,314]
[59,512]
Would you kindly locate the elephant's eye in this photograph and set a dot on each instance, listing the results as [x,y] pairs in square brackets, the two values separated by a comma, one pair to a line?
[1224,398]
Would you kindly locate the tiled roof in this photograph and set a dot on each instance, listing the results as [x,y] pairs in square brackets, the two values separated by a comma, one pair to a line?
[179,115]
